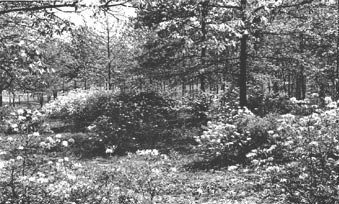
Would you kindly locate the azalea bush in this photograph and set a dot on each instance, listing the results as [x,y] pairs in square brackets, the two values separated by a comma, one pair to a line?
[310,147]
[79,107]
[4,112]
[25,170]
[134,119]
[234,134]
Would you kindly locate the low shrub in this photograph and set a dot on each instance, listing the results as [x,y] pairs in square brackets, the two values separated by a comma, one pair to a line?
[235,134]
[134,119]
[79,107]
[298,154]
[310,147]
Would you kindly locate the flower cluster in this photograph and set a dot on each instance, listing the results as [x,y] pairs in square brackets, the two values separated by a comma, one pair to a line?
[151,152]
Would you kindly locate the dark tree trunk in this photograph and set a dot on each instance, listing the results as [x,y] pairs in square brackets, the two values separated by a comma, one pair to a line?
[108,56]
[0,98]
[13,100]
[204,6]
[183,88]
[55,94]
[243,61]
[289,84]
[41,99]
[337,68]
[243,69]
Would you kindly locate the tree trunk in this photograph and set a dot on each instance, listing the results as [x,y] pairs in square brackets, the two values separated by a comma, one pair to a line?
[109,56]
[243,69]
[55,94]
[41,100]
[13,99]
[183,88]
[204,11]
[1,98]
[243,62]
[337,69]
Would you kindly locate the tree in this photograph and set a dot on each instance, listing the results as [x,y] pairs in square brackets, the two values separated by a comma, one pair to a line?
[246,22]
[19,56]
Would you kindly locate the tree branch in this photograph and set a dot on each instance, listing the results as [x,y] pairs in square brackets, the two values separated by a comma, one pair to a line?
[224,6]
[37,8]
[74,4]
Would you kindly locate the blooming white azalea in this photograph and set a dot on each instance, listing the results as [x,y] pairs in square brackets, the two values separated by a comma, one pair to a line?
[64,143]
[36,134]
[58,136]
[19,158]
[20,111]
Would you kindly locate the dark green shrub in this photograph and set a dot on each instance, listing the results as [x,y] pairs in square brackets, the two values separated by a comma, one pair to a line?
[135,119]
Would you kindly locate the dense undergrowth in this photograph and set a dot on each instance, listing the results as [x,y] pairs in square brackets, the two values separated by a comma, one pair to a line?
[204,151]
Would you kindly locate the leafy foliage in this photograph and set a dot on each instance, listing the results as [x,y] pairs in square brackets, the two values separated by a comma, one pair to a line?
[135,119]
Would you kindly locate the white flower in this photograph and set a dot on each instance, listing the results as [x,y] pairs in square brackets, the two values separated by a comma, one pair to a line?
[232,168]
[303,176]
[155,152]
[32,179]
[271,148]
[2,164]
[10,139]
[42,180]
[66,159]
[109,151]
[19,158]
[314,143]
[156,171]
[58,136]
[36,134]
[293,100]
[173,169]
[199,191]
[20,147]
[71,140]
[255,162]
[21,118]
[91,127]
[251,154]
[328,99]
[332,105]
[77,165]
[71,177]
[314,95]
[270,132]
[42,144]
[20,111]
[50,140]
[64,143]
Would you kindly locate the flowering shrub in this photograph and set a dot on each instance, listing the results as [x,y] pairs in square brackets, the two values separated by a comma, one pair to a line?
[134,119]
[312,148]
[25,172]
[79,107]
[234,134]
[4,114]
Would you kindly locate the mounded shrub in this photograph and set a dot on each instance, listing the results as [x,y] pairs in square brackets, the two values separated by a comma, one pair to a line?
[135,119]
[79,107]
[235,134]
